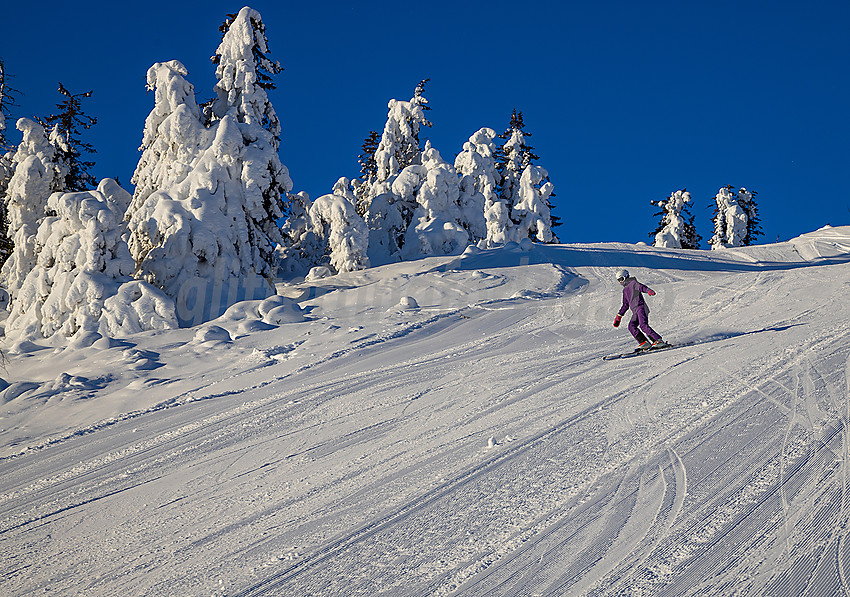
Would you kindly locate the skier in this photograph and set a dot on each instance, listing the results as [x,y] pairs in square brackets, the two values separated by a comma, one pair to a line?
[639,325]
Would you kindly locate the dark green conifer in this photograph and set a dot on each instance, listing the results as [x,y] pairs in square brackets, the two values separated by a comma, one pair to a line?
[70,121]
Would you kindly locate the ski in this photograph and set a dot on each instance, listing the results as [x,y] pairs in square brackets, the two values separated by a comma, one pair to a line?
[640,352]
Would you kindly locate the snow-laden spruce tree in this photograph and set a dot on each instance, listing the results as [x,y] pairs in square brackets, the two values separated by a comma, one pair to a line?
[161,226]
[7,167]
[326,232]
[37,174]
[476,165]
[523,209]
[729,219]
[340,229]
[301,249]
[512,158]
[211,238]
[343,188]
[471,202]
[82,281]
[173,138]
[531,213]
[362,187]
[387,219]
[735,219]
[6,171]
[747,200]
[7,100]
[676,229]
[205,250]
[68,124]
[245,74]
[399,144]
[433,187]
[387,214]
[397,148]
[4,104]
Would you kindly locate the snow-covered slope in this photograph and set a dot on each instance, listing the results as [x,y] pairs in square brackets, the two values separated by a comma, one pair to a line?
[448,426]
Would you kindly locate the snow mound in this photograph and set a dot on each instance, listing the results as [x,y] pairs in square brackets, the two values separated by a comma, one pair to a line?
[25,347]
[262,315]
[136,307]
[407,303]
[211,333]
[84,340]
[318,273]
[275,307]
[288,313]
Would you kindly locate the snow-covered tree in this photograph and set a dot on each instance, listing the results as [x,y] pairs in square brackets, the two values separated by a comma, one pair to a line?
[515,213]
[387,214]
[397,148]
[82,262]
[37,174]
[512,157]
[531,213]
[245,73]
[676,229]
[7,100]
[6,171]
[471,203]
[730,223]
[328,231]
[735,218]
[476,165]
[368,172]
[3,106]
[747,200]
[478,161]
[522,209]
[215,233]
[69,123]
[200,232]
[299,219]
[7,167]
[173,138]
[387,219]
[342,232]
[433,186]
[399,144]
[342,187]
[302,249]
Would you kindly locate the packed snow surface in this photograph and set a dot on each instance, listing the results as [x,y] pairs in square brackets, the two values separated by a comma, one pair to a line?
[448,426]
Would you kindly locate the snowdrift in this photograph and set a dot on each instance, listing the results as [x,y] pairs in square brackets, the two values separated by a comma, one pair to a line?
[447,426]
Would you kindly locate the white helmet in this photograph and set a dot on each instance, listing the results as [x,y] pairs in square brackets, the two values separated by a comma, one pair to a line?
[623,274]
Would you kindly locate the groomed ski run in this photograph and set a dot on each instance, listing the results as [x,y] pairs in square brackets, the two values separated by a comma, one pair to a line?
[470,441]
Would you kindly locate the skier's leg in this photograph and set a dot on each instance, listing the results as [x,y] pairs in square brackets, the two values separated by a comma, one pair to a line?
[633,328]
[643,324]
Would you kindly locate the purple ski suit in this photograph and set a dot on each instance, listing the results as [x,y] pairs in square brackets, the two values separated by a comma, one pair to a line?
[633,299]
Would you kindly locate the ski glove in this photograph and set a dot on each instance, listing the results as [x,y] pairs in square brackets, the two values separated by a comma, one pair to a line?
[617,321]
[650,292]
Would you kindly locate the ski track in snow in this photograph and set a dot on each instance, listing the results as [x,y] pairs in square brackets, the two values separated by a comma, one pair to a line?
[716,469]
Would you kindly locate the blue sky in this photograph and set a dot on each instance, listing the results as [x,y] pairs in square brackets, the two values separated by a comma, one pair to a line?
[626,101]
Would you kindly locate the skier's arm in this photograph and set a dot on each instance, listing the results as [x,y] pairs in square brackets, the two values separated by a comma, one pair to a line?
[625,306]
[647,290]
